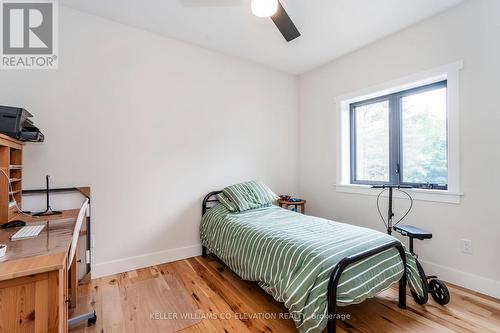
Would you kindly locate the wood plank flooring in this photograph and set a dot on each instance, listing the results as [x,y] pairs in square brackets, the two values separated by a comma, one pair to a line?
[244,307]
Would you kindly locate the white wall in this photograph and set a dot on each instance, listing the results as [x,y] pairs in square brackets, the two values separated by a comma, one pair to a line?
[152,124]
[470,33]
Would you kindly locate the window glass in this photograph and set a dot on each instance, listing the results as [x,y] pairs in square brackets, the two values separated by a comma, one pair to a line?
[372,141]
[424,148]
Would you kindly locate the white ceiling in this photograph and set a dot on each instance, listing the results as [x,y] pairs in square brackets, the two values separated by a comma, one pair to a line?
[330,28]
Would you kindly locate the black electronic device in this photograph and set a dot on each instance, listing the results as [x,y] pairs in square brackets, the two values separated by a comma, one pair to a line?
[13,224]
[48,210]
[15,123]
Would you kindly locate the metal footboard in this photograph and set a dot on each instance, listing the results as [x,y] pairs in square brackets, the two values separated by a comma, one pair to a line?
[342,265]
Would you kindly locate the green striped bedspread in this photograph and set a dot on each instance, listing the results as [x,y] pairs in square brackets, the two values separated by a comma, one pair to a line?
[292,256]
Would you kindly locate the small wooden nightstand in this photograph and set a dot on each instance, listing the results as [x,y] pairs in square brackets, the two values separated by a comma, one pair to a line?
[296,204]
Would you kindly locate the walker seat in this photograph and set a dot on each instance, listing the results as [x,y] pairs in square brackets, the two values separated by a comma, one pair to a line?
[412,232]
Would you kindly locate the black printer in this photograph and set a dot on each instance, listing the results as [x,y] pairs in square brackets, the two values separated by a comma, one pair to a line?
[15,123]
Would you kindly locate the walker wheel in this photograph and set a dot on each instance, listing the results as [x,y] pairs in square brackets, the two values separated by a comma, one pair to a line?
[92,321]
[439,291]
[419,299]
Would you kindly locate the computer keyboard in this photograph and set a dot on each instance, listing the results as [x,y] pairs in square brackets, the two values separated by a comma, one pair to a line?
[28,232]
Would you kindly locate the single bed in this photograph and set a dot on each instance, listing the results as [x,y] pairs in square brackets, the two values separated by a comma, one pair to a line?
[310,264]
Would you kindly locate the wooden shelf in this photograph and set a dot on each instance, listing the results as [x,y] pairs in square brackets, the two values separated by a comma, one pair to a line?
[11,162]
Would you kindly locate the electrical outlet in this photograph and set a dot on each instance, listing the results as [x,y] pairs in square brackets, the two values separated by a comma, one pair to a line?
[466,246]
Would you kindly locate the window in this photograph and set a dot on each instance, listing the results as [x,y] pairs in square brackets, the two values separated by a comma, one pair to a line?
[401,138]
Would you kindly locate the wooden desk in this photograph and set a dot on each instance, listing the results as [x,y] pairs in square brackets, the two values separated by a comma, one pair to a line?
[34,277]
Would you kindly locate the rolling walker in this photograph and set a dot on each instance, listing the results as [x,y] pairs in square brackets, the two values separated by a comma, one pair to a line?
[431,284]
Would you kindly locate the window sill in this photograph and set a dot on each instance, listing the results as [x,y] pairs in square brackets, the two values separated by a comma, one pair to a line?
[417,194]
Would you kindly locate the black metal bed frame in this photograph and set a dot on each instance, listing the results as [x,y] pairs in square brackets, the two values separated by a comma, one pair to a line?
[337,271]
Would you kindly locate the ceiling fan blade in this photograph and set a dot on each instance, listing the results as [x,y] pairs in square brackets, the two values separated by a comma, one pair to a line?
[285,24]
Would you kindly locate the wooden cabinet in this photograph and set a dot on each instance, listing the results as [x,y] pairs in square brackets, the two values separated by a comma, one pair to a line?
[34,303]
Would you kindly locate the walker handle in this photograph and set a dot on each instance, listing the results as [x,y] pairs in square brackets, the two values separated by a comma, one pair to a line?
[391,186]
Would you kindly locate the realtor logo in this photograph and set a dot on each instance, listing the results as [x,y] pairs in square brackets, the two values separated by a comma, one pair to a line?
[29,34]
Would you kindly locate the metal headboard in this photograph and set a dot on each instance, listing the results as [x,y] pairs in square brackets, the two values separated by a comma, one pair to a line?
[207,200]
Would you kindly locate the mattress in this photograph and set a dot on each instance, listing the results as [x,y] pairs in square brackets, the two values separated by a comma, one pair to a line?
[292,255]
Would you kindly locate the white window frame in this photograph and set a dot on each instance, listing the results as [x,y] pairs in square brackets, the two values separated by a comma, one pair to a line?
[450,73]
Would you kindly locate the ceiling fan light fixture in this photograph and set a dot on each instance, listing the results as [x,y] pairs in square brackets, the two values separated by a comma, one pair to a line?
[264,8]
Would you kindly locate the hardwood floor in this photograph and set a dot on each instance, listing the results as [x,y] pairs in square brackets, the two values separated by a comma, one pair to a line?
[215,290]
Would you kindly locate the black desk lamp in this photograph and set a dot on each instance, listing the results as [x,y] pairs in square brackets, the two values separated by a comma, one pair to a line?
[48,211]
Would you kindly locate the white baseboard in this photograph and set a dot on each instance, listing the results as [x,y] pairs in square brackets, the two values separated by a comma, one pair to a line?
[127,264]
[467,280]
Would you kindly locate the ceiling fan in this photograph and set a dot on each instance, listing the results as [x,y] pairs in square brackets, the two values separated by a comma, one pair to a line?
[274,9]
[261,8]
